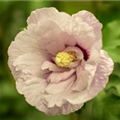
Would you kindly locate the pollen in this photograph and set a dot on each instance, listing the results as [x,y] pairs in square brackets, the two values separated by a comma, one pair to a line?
[63,59]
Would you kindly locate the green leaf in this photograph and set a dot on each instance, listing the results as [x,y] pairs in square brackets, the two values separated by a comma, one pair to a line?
[114,53]
[113,85]
[111,40]
[106,107]
[116,69]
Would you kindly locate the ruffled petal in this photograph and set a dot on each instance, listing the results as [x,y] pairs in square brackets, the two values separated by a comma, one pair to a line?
[79,53]
[41,14]
[104,69]
[61,18]
[46,31]
[83,33]
[74,64]
[89,18]
[54,107]
[30,65]
[56,77]
[68,39]
[20,46]
[55,47]
[56,104]
[32,90]
[82,78]
[52,67]
[92,63]
[61,86]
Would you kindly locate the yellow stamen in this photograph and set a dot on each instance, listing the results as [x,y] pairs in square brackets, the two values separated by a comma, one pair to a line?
[63,59]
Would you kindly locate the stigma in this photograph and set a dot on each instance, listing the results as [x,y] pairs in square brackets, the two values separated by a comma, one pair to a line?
[63,59]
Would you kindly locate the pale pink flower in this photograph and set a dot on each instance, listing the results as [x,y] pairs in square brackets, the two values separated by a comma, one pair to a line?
[57,61]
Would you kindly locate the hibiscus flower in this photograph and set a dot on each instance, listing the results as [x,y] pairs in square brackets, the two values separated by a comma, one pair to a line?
[58,62]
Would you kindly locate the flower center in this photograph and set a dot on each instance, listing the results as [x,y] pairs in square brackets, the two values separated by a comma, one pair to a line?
[63,59]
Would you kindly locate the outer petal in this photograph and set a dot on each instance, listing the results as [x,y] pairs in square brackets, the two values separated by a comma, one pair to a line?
[29,65]
[83,33]
[42,14]
[104,69]
[32,88]
[90,19]
[53,109]
[20,46]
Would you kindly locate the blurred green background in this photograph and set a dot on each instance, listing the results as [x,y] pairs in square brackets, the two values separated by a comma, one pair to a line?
[13,15]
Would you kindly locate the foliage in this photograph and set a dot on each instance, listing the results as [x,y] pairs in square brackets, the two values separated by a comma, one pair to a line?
[111,40]
[106,107]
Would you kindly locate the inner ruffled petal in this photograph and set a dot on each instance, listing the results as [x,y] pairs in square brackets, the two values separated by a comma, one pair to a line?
[55,47]
[62,86]
[82,78]
[68,39]
[52,67]
[79,53]
[74,64]
[57,77]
